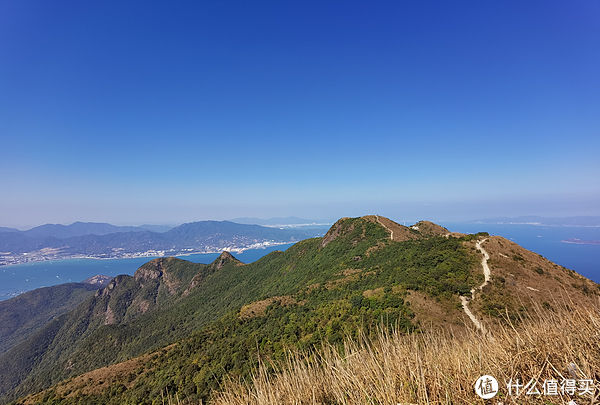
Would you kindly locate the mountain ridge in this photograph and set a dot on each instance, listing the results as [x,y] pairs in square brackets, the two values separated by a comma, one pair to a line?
[77,228]
[312,291]
[7,229]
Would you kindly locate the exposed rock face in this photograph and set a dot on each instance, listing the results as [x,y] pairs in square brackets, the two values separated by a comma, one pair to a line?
[149,271]
[110,318]
[223,259]
[112,284]
[142,305]
[220,262]
[159,270]
[98,280]
[335,231]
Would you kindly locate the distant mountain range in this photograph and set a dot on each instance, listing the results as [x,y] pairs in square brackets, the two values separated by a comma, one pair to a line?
[75,229]
[547,221]
[157,228]
[280,221]
[99,240]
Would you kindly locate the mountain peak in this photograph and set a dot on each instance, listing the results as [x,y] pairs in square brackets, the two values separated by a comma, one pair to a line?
[224,258]
[149,271]
[398,233]
[346,226]
[155,268]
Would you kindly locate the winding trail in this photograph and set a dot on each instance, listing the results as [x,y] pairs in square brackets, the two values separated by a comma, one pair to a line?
[486,278]
[486,269]
[381,223]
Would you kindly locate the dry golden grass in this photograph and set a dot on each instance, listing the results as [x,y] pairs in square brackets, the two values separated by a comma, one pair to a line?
[436,367]
[258,308]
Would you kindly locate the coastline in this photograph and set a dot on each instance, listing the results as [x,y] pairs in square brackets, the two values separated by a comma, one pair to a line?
[152,254]
[16,279]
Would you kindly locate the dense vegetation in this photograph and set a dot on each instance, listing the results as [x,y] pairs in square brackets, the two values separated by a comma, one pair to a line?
[325,289]
[23,315]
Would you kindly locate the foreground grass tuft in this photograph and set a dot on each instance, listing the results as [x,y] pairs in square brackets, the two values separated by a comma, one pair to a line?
[436,367]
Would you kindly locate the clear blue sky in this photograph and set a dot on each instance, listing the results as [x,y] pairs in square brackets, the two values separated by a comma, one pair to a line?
[166,112]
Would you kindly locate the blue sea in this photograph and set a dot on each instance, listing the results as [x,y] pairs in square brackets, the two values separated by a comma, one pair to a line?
[545,240]
[16,279]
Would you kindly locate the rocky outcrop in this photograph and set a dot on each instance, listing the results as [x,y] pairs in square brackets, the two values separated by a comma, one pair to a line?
[112,284]
[150,271]
[336,230]
[223,259]
[98,280]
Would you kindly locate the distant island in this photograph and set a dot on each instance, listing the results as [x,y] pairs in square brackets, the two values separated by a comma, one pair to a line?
[282,222]
[579,221]
[576,241]
[106,241]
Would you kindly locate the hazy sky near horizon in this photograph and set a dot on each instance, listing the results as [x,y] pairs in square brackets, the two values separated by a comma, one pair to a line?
[165,112]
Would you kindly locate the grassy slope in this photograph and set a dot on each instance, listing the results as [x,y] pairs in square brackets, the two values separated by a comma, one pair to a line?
[437,368]
[22,315]
[313,292]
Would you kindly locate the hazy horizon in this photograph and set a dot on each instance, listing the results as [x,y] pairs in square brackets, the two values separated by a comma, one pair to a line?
[441,211]
[321,220]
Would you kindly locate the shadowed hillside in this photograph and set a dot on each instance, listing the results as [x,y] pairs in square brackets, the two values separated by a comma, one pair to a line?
[23,315]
